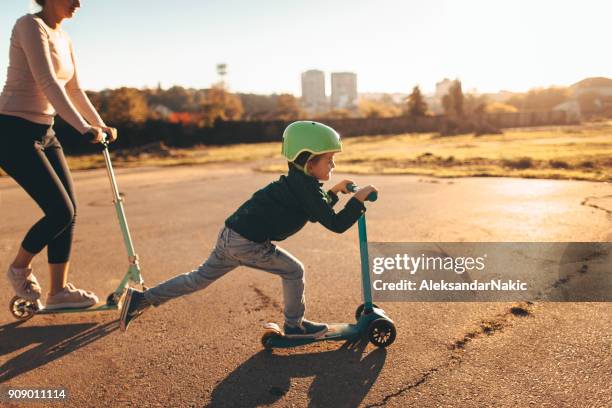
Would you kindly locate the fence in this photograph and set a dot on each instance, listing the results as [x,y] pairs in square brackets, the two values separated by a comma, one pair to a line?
[233,132]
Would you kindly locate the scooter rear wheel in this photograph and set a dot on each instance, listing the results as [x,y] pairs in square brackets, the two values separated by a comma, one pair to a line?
[266,339]
[22,309]
[360,310]
[381,333]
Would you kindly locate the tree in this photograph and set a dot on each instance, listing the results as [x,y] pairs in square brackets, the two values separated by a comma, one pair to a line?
[500,107]
[257,107]
[218,104]
[474,105]
[383,107]
[123,106]
[371,109]
[540,99]
[337,113]
[452,102]
[416,103]
[287,108]
[177,99]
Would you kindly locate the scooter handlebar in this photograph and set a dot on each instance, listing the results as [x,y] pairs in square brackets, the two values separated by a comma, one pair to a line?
[105,141]
[353,188]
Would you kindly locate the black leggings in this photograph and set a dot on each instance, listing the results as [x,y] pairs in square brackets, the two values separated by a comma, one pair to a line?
[31,154]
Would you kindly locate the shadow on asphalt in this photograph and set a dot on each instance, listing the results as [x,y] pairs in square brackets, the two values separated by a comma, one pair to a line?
[342,378]
[52,342]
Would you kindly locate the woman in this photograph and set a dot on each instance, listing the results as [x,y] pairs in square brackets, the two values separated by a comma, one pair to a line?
[42,81]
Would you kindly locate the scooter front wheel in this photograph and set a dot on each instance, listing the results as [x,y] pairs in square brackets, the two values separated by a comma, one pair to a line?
[360,310]
[22,309]
[381,333]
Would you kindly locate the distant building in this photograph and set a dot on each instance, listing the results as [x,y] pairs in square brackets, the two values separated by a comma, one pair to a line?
[161,111]
[598,86]
[434,102]
[313,91]
[443,87]
[591,96]
[343,90]
[571,109]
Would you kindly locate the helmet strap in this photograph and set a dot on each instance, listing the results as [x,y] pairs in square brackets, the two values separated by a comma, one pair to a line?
[303,169]
[304,158]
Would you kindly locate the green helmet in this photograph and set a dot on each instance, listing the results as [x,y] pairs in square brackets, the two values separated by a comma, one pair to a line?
[313,137]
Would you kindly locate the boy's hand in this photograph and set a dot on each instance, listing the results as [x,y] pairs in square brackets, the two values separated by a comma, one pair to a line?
[341,187]
[364,192]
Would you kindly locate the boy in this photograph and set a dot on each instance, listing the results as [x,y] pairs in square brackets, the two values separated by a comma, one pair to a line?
[273,213]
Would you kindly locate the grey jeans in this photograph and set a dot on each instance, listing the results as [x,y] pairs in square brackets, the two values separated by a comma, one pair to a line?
[231,251]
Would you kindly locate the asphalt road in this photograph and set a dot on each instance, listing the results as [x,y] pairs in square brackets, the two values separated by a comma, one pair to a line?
[204,349]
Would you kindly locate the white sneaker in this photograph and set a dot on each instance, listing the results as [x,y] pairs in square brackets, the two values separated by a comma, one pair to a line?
[24,283]
[71,298]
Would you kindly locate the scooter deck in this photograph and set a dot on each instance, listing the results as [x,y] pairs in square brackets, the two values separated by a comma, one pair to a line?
[274,337]
[340,331]
[100,308]
[335,332]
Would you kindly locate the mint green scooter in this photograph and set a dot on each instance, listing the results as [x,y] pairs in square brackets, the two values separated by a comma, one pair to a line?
[371,321]
[23,309]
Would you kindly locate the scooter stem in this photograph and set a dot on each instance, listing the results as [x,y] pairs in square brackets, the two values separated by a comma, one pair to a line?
[365,264]
[134,270]
[363,251]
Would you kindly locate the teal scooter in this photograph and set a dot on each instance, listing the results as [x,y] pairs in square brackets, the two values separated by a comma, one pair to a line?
[371,321]
[23,309]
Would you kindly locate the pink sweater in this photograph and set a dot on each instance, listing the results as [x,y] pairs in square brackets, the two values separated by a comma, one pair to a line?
[42,78]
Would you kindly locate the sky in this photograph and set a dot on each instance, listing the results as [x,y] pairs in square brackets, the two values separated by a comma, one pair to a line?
[392,45]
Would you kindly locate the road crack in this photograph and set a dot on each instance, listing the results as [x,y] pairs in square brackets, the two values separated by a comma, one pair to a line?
[265,301]
[409,387]
[588,202]
[457,348]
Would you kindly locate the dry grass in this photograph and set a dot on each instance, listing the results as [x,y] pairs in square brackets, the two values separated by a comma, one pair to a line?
[571,152]
[158,154]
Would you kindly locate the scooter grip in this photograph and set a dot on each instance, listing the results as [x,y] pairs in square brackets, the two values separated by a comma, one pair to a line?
[91,138]
[353,189]
[106,139]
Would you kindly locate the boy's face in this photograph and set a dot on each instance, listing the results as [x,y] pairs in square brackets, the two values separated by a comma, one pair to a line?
[322,168]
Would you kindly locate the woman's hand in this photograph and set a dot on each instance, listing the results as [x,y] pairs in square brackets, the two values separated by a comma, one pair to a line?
[341,187]
[364,192]
[95,134]
[111,133]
